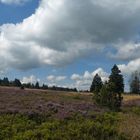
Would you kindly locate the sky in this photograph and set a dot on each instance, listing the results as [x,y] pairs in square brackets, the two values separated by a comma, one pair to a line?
[65,43]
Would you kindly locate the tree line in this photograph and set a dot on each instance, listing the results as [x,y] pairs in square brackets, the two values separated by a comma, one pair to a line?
[5,82]
[16,83]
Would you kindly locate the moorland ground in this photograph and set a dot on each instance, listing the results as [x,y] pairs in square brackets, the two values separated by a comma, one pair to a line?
[32,114]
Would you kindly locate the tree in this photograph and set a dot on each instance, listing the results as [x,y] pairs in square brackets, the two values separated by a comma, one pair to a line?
[37,85]
[135,83]
[96,84]
[45,86]
[96,87]
[0,82]
[32,86]
[115,88]
[104,95]
[17,83]
[117,79]
[5,81]
[27,85]
[109,93]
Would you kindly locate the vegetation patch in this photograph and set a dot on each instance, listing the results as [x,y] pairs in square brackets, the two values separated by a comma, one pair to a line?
[136,110]
[24,127]
[129,125]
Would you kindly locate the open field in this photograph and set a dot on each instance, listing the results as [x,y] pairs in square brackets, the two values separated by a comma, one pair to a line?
[15,100]
[53,115]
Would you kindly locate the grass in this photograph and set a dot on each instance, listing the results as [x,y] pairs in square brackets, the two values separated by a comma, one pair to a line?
[131,97]
[129,124]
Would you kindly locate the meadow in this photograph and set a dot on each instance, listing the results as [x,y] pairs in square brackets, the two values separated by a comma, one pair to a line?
[52,115]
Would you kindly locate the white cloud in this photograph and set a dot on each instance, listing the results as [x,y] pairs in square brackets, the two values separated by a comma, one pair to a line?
[104,75]
[126,51]
[84,81]
[129,52]
[55,79]
[31,79]
[13,1]
[131,67]
[61,31]
[76,77]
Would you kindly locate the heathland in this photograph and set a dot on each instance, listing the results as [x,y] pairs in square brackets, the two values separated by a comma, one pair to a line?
[33,114]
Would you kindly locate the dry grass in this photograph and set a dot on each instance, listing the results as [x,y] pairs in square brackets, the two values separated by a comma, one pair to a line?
[130,125]
[131,100]
[131,97]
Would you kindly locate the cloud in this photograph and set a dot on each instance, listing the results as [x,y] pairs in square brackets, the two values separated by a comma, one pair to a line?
[62,31]
[17,2]
[131,67]
[126,51]
[76,77]
[31,79]
[55,79]
[84,81]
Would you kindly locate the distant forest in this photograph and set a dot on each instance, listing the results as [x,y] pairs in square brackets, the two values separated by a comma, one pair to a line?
[16,83]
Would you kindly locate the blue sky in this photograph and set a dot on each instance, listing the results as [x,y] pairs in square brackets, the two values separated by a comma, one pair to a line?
[65,43]
[16,13]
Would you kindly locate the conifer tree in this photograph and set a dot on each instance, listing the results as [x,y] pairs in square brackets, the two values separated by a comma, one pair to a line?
[116,78]
[96,84]
[37,85]
[135,83]
[17,83]
[115,88]
[109,94]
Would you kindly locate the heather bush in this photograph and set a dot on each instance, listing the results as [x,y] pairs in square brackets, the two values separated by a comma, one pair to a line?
[23,127]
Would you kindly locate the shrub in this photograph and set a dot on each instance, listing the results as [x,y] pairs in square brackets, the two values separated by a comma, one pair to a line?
[22,87]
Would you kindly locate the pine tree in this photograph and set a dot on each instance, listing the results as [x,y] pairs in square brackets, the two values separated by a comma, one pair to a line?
[116,88]
[117,79]
[5,81]
[44,86]
[96,84]
[17,83]
[135,83]
[37,85]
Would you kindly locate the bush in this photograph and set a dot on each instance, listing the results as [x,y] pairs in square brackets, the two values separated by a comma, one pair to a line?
[22,87]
